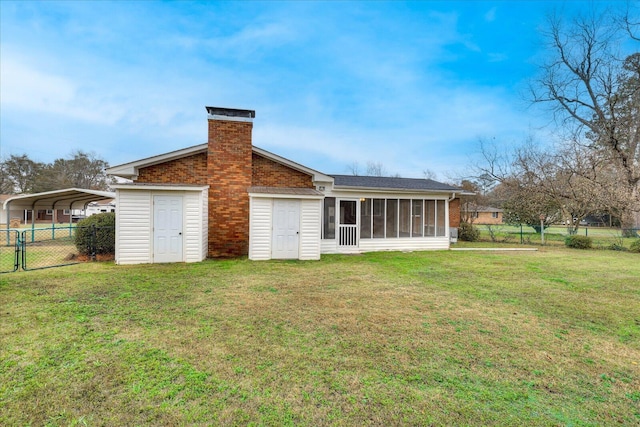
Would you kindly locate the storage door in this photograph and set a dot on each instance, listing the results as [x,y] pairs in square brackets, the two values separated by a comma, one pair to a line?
[286,229]
[167,229]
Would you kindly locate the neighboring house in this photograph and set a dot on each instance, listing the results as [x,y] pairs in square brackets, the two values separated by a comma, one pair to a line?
[486,215]
[229,198]
[102,206]
[25,216]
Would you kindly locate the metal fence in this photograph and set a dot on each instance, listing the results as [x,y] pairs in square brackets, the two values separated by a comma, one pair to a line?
[601,236]
[37,248]
[9,253]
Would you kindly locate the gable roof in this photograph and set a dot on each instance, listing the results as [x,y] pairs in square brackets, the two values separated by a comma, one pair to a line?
[389,183]
[130,170]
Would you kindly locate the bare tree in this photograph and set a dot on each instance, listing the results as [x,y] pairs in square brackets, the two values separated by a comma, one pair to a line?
[376,169]
[354,168]
[565,183]
[595,95]
[429,174]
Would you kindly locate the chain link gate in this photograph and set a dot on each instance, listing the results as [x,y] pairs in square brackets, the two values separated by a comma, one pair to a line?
[38,248]
[48,247]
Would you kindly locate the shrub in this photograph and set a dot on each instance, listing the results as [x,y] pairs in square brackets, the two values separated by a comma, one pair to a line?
[468,233]
[97,232]
[635,246]
[578,242]
[616,247]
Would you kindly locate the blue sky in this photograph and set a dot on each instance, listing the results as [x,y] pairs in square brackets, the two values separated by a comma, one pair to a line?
[410,85]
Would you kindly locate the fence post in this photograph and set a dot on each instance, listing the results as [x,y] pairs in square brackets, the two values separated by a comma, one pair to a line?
[521,236]
[18,251]
[94,238]
[586,231]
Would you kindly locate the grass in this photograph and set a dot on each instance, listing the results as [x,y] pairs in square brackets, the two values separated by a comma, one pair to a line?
[426,338]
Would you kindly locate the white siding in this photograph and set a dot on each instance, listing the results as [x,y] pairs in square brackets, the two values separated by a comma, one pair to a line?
[204,221]
[260,227]
[328,246]
[310,220]
[133,227]
[404,244]
[193,227]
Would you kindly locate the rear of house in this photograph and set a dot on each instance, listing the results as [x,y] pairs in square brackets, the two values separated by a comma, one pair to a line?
[229,198]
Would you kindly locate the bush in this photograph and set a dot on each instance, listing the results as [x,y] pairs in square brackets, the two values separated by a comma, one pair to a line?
[97,233]
[468,233]
[578,242]
[635,246]
[616,247]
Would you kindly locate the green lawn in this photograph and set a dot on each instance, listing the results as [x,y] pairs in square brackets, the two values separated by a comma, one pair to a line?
[427,338]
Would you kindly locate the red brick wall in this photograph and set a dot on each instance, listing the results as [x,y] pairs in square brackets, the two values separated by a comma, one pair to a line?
[187,170]
[267,173]
[454,213]
[229,177]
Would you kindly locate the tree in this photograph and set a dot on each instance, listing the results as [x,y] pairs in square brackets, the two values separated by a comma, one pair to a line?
[20,174]
[595,96]
[429,174]
[373,169]
[559,183]
[81,170]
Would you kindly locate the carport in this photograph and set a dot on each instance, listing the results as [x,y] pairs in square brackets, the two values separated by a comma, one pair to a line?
[36,248]
[69,198]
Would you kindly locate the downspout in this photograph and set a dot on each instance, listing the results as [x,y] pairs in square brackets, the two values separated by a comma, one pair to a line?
[452,198]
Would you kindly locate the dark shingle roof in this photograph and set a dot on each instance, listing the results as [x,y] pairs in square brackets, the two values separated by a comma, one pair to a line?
[392,183]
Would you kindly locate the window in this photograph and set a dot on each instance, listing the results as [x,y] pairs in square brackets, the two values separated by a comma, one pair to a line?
[416,218]
[378,218]
[365,218]
[49,211]
[440,219]
[392,218]
[348,212]
[66,212]
[494,215]
[474,215]
[405,218]
[329,218]
[397,218]
[430,218]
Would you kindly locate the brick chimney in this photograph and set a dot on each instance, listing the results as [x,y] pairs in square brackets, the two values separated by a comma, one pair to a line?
[229,177]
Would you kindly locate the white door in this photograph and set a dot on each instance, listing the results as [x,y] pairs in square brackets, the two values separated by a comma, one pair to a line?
[286,229]
[348,223]
[167,229]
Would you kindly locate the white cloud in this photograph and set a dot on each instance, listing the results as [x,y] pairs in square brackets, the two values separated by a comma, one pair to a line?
[490,16]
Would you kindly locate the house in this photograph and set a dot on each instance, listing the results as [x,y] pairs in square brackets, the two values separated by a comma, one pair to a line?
[229,198]
[101,206]
[25,216]
[486,215]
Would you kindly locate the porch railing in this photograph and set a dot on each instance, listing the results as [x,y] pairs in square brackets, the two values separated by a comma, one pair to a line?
[348,235]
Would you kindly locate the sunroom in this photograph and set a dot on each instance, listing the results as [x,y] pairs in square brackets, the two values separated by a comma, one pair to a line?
[362,214]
